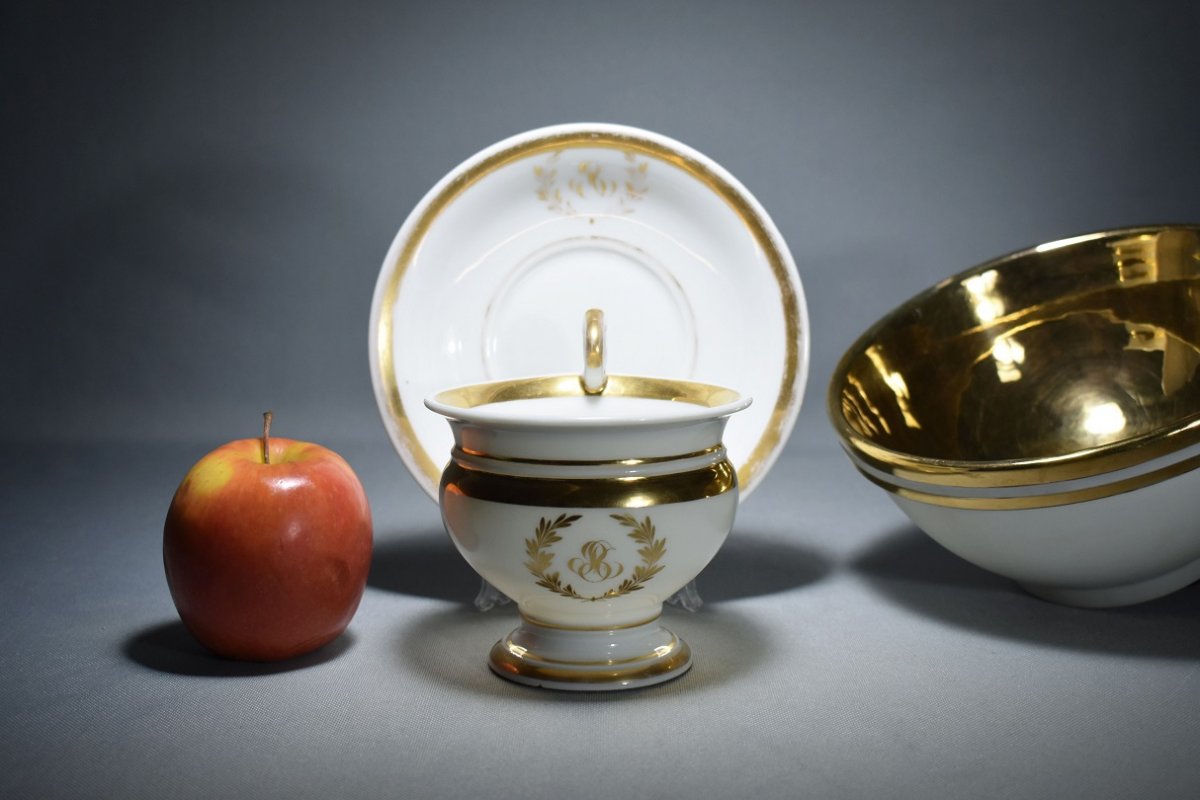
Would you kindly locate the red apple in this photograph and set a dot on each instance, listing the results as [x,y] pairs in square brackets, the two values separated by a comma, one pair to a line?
[267,544]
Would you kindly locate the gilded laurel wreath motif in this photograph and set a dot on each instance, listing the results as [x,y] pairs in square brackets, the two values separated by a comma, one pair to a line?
[589,178]
[592,563]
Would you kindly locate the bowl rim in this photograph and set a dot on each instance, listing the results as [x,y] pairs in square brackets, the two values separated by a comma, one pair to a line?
[999,473]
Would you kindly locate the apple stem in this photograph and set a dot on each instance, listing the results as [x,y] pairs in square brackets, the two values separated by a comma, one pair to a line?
[267,437]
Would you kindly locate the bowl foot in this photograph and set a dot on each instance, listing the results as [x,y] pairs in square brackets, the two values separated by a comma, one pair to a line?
[590,660]
[1124,595]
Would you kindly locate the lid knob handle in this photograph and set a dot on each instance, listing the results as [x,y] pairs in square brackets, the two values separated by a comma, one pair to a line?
[594,377]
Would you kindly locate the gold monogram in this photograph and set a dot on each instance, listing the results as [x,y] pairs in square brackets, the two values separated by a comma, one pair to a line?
[589,179]
[592,565]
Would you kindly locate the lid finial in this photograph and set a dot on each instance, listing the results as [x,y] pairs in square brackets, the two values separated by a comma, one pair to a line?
[594,377]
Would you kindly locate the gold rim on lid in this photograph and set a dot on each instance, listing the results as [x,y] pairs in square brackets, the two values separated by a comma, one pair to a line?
[701,395]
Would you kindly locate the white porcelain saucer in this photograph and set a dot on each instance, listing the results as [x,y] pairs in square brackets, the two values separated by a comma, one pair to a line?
[492,271]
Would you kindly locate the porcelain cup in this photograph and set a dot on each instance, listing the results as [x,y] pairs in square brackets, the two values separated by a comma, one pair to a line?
[589,510]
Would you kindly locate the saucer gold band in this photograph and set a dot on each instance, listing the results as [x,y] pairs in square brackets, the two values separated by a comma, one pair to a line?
[632,492]
[771,438]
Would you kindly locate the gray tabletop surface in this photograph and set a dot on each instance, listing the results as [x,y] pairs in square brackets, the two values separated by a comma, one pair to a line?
[839,653]
[198,199]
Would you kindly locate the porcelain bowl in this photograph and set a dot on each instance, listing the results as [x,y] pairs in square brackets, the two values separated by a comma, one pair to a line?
[589,512]
[1039,415]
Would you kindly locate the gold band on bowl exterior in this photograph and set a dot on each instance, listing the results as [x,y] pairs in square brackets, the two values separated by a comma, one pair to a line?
[632,492]
[1051,500]
[772,438]
[1015,472]
[504,662]
[1028,472]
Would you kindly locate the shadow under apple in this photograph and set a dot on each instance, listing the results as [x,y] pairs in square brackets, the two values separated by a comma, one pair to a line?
[168,647]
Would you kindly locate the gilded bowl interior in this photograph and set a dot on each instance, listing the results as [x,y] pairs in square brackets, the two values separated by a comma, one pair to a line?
[1071,347]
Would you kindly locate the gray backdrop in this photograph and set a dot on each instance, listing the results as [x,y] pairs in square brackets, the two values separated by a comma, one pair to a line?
[198,198]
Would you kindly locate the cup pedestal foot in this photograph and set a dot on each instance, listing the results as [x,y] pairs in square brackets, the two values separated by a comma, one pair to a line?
[574,659]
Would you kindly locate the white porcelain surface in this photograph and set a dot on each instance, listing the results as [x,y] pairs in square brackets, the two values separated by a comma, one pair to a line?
[1111,551]
[492,538]
[595,428]
[491,273]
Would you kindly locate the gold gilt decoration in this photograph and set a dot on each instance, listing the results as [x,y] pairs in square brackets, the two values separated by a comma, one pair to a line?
[559,186]
[592,564]
[651,551]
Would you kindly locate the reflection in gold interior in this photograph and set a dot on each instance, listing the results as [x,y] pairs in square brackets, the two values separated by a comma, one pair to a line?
[1137,259]
[983,297]
[1009,355]
[895,382]
[1104,419]
[1069,359]
[1167,255]
[1179,359]
[853,403]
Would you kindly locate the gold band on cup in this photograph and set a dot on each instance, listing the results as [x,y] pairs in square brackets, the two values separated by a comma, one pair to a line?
[622,492]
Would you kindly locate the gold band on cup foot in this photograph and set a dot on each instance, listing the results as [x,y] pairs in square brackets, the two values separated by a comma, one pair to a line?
[588,660]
